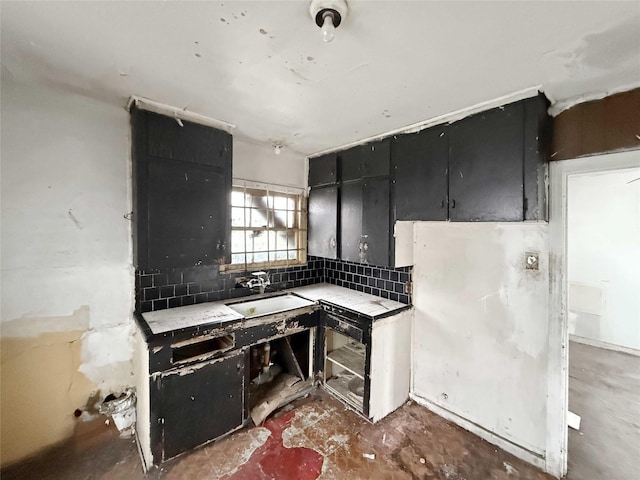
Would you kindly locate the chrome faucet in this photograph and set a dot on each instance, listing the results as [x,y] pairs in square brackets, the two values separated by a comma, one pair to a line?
[260,281]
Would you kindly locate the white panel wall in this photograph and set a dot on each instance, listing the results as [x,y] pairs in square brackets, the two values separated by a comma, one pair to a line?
[67,282]
[481,329]
[603,256]
[259,163]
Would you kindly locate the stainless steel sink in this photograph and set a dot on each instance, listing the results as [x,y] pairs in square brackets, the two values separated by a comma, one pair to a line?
[270,305]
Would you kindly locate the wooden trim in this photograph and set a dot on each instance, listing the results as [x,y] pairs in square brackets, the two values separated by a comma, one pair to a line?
[600,126]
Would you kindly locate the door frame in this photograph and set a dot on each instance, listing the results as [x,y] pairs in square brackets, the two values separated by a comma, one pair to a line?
[558,364]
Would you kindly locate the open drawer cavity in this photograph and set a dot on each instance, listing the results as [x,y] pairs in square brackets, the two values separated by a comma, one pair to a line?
[200,348]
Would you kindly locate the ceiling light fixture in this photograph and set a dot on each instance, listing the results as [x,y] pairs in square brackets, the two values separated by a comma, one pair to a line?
[328,14]
[277,148]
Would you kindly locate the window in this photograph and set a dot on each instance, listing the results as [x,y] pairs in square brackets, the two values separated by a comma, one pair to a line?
[267,228]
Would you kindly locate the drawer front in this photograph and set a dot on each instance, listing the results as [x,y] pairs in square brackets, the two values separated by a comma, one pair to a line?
[345,327]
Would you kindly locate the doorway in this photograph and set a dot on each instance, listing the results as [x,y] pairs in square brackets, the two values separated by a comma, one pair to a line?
[595,237]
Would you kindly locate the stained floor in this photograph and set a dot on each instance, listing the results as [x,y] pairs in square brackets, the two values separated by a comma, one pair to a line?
[604,389]
[313,438]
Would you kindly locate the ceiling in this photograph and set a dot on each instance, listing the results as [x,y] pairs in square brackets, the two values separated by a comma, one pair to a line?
[262,65]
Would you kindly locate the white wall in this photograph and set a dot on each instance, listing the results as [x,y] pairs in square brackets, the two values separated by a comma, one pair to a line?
[603,256]
[481,330]
[259,163]
[67,281]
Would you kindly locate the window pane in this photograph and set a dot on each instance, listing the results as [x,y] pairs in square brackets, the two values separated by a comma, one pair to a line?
[237,241]
[281,255]
[258,218]
[291,204]
[259,240]
[280,203]
[237,217]
[281,218]
[291,217]
[237,198]
[237,258]
[281,240]
[293,254]
[260,257]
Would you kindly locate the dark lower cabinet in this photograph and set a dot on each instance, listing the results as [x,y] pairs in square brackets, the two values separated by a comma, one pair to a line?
[322,237]
[201,402]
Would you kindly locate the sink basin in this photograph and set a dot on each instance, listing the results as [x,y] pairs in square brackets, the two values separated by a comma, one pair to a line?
[270,305]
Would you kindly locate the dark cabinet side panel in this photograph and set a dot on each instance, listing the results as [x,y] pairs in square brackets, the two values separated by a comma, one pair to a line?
[187,220]
[323,222]
[537,143]
[486,166]
[323,170]
[202,404]
[375,221]
[350,221]
[420,174]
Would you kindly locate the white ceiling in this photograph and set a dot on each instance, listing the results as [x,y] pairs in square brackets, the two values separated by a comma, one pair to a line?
[262,65]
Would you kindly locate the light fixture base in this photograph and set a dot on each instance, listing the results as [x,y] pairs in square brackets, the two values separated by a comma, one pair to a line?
[338,8]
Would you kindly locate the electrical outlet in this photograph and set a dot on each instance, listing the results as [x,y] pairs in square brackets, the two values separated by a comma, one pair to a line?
[531,260]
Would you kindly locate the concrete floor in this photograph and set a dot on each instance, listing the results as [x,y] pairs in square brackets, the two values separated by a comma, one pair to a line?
[604,389]
[314,438]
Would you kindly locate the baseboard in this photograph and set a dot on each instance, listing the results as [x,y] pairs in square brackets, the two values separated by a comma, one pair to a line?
[607,346]
[527,455]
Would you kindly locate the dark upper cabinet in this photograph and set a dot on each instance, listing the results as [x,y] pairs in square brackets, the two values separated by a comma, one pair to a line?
[420,181]
[350,221]
[181,190]
[323,222]
[364,221]
[323,170]
[486,166]
[364,161]
[375,222]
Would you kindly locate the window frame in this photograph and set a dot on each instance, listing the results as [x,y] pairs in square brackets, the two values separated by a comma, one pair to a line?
[299,228]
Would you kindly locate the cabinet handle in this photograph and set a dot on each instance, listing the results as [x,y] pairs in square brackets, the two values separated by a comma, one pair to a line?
[441,203]
[453,204]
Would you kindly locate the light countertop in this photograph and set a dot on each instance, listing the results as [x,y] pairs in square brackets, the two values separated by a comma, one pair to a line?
[359,302]
[190,316]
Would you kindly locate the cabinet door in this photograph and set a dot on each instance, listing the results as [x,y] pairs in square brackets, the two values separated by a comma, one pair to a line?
[200,403]
[375,222]
[420,181]
[363,161]
[323,170]
[364,222]
[350,221]
[323,222]
[181,192]
[486,166]
[188,222]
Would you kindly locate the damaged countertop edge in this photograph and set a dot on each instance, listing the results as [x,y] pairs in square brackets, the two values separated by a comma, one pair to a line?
[322,294]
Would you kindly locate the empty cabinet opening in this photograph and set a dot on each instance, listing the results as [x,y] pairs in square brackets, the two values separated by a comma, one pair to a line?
[195,350]
[280,371]
[344,368]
